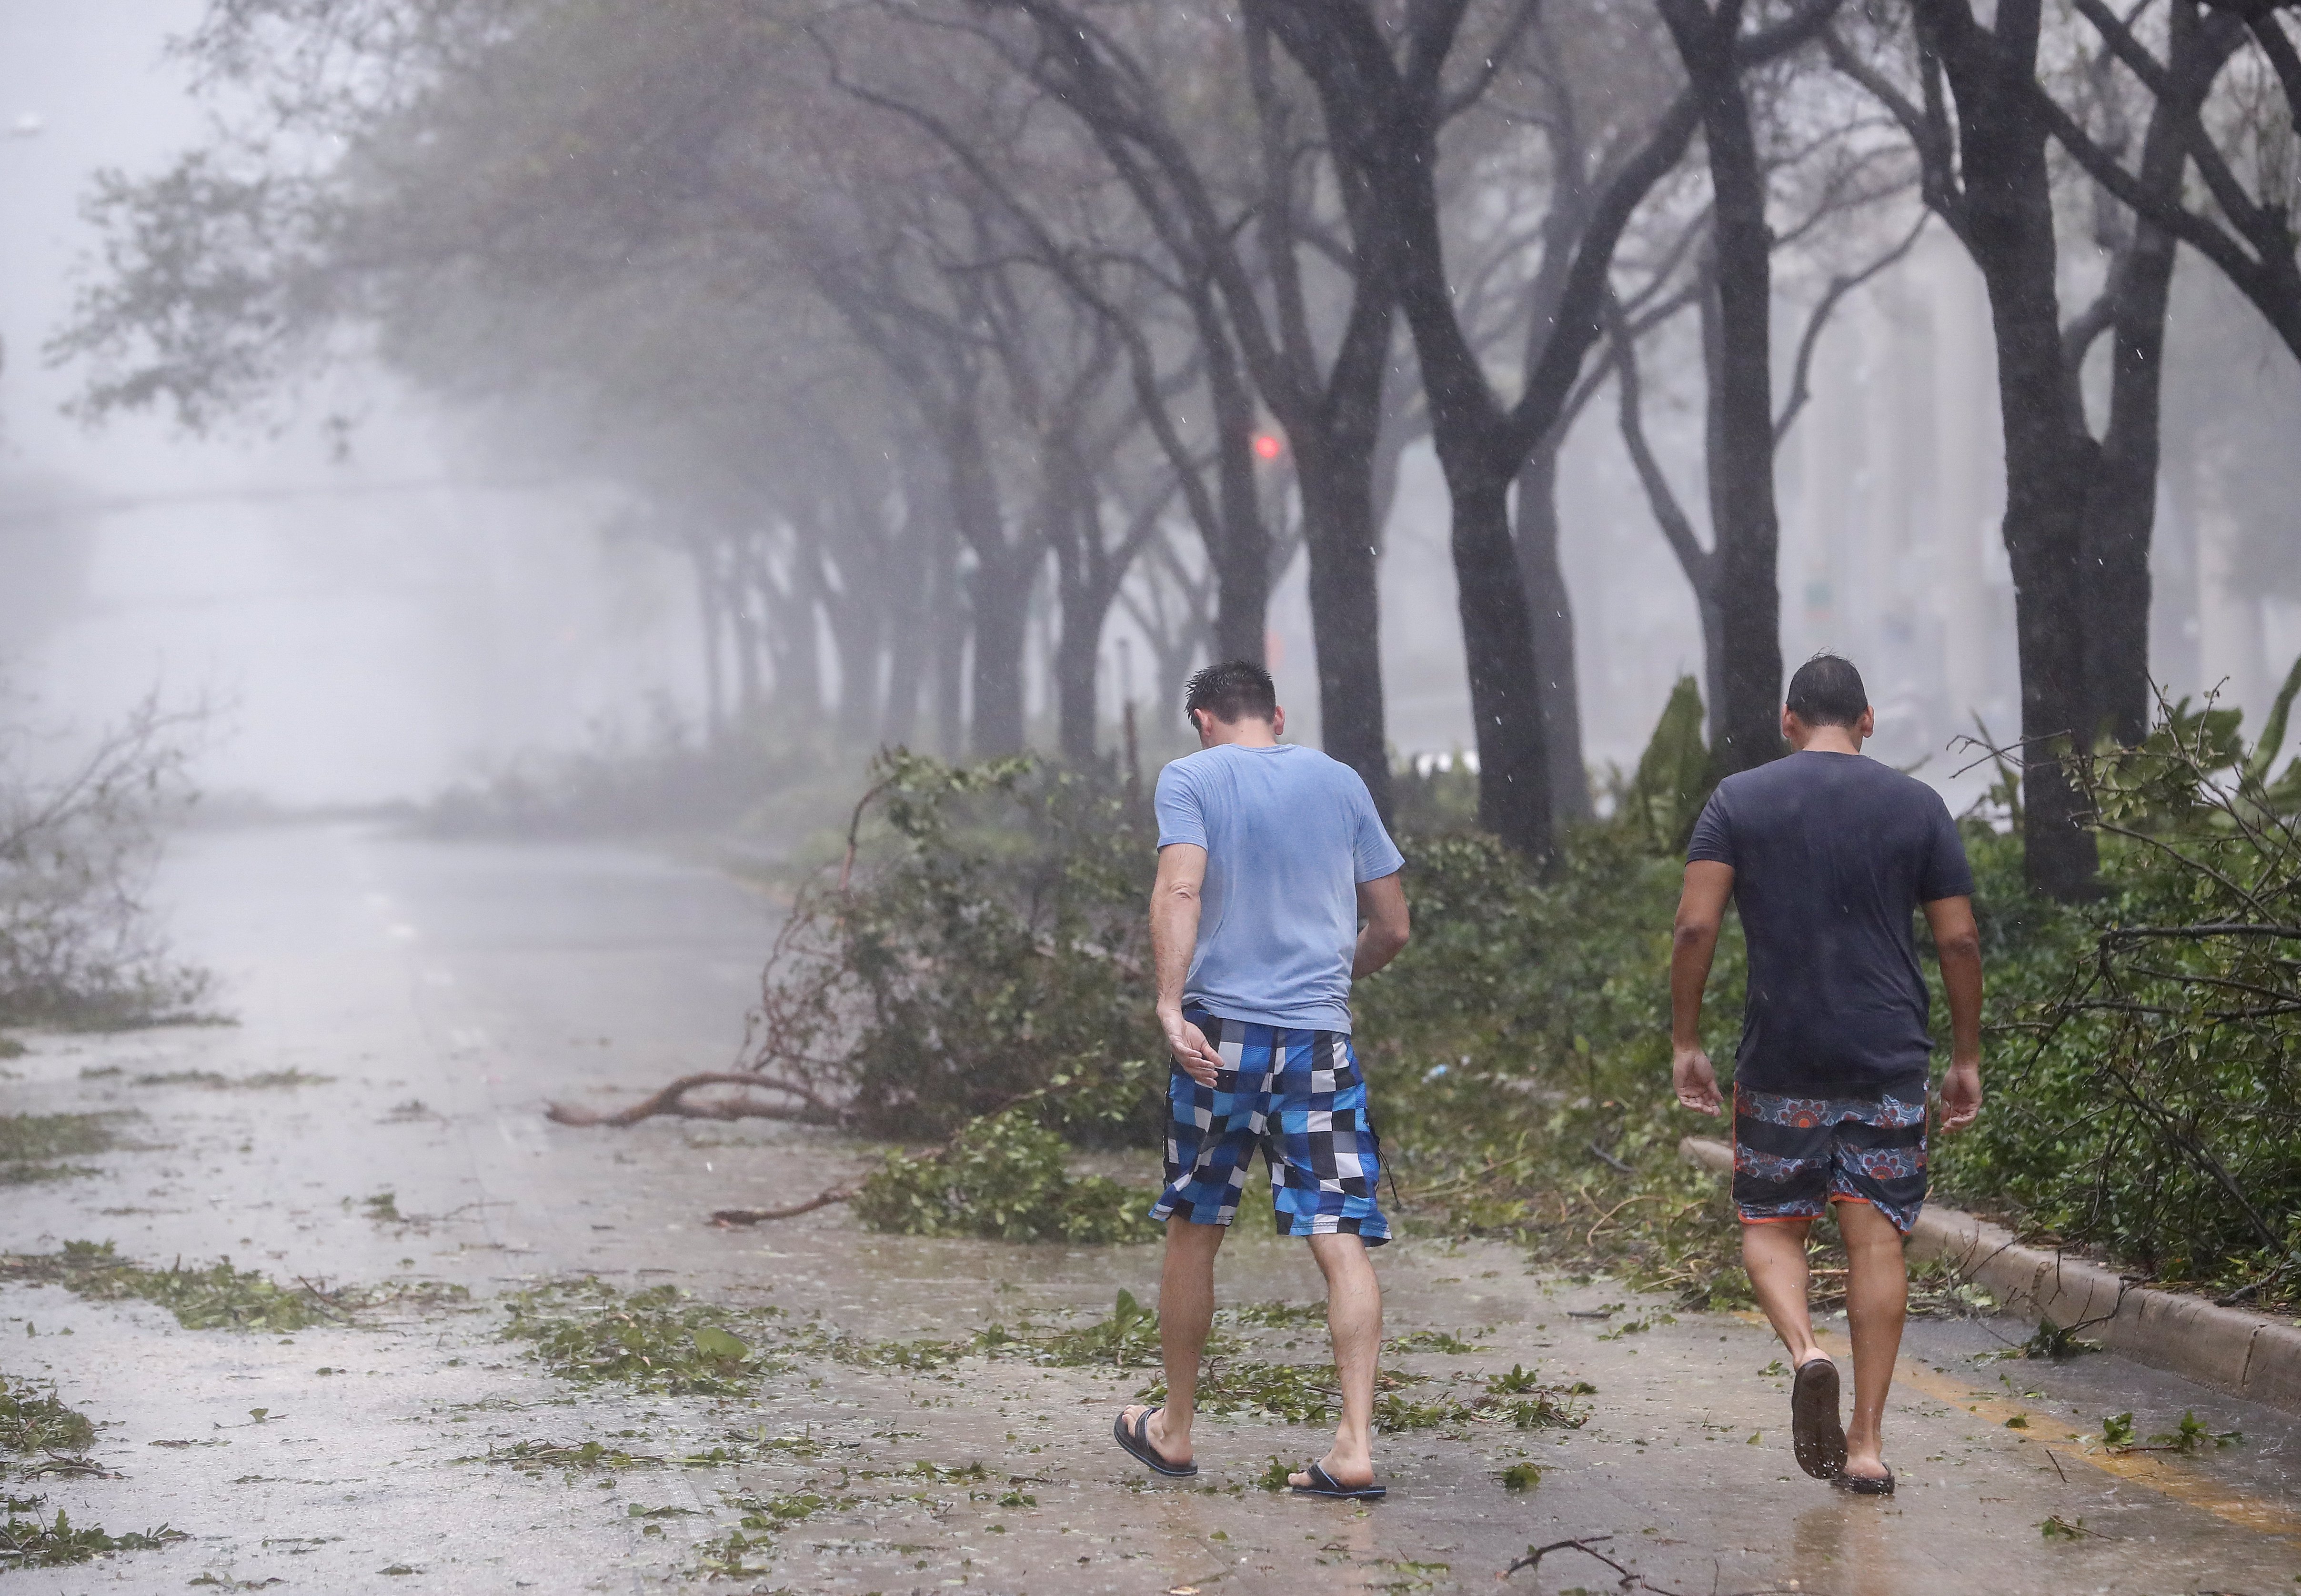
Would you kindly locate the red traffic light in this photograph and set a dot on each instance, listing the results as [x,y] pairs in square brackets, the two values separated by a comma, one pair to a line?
[1266,446]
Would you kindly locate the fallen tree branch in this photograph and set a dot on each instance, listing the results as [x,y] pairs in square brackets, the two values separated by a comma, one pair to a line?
[70,1468]
[728,1218]
[1591,1241]
[1535,1554]
[1631,1580]
[671,1100]
[328,1304]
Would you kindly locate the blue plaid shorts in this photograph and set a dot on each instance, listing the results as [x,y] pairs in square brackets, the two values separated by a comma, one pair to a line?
[1299,1097]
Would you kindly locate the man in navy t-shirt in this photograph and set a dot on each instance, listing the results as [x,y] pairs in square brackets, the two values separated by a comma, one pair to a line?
[1828,855]
[1268,855]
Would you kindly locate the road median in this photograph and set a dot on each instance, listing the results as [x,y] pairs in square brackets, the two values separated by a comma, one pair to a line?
[2248,1354]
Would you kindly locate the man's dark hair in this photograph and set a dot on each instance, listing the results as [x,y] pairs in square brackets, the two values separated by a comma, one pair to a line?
[1231,692]
[1828,691]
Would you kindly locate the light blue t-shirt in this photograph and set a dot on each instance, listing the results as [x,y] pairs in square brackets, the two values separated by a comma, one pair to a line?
[1289,835]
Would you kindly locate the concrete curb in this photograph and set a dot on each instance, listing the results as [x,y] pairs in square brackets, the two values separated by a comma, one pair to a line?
[2246,1354]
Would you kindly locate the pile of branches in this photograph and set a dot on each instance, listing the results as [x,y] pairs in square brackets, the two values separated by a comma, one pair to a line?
[2155,1106]
[981,943]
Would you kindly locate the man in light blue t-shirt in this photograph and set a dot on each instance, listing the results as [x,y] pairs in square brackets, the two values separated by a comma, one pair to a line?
[1270,855]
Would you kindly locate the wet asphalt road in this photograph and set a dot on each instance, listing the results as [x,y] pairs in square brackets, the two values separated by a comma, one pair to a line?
[449,990]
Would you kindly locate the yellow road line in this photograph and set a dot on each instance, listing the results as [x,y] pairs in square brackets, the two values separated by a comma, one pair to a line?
[2155,1470]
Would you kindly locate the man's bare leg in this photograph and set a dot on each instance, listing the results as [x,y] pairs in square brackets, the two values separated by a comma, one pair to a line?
[1876,1300]
[1774,1253]
[1186,1314]
[1354,1321]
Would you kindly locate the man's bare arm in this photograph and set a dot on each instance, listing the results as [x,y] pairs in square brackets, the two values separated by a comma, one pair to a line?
[1382,904]
[1175,901]
[1693,943]
[1958,943]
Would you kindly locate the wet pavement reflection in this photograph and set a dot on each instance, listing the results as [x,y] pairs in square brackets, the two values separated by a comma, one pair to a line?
[447,992]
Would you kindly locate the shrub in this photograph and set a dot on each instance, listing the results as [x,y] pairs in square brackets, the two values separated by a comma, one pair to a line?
[78,945]
[2146,1089]
[986,944]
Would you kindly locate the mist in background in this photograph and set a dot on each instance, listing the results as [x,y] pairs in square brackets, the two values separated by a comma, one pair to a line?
[375,601]
[384,594]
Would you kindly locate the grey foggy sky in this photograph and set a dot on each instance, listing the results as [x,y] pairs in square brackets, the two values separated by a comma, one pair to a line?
[375,644]
[367,644]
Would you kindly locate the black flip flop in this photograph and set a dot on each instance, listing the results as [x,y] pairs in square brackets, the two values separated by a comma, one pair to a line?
[1326,1486]
[1137,1441]
[1816,1436]
[1863,1485]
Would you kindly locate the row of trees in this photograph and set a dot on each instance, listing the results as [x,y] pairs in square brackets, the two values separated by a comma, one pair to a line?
[903,316]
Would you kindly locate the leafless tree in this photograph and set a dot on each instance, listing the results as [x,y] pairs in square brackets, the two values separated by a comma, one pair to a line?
[1387,94]
[1992,184]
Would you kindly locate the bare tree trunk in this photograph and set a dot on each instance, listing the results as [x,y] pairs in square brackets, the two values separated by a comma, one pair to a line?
[742,592]
[2007,224]
[912,592]
[999,596]
[1240,557]
[1506,697]
[789,631]
[1745,710]
[1345,613]
[2121,503]
[1555,680]
[953,625]
[1077,677]
[849,615]
[1078,646]
[1176,616]
[710,610]
[998,589]
[856,638]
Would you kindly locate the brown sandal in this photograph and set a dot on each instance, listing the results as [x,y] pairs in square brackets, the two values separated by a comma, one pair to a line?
[1817,1437]
[1863,1485]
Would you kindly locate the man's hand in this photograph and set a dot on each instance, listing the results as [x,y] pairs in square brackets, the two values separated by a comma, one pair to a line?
[1173,934]
[1958,942]
[1961,1096]
[1197,1059]
[1694,941]
[1382,904]
[1695,1080]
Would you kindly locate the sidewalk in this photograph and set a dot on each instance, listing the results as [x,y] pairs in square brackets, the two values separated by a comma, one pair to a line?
[2246,1355]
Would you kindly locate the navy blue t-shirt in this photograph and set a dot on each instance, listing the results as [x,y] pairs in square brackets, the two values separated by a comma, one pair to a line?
[1832,853]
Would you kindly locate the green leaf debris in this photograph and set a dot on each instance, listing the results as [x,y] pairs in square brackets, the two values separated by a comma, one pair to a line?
[37,1543]
[36,1420]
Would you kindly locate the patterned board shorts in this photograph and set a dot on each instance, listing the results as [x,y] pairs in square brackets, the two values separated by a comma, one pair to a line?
[1793,1156]
[1299,1097]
